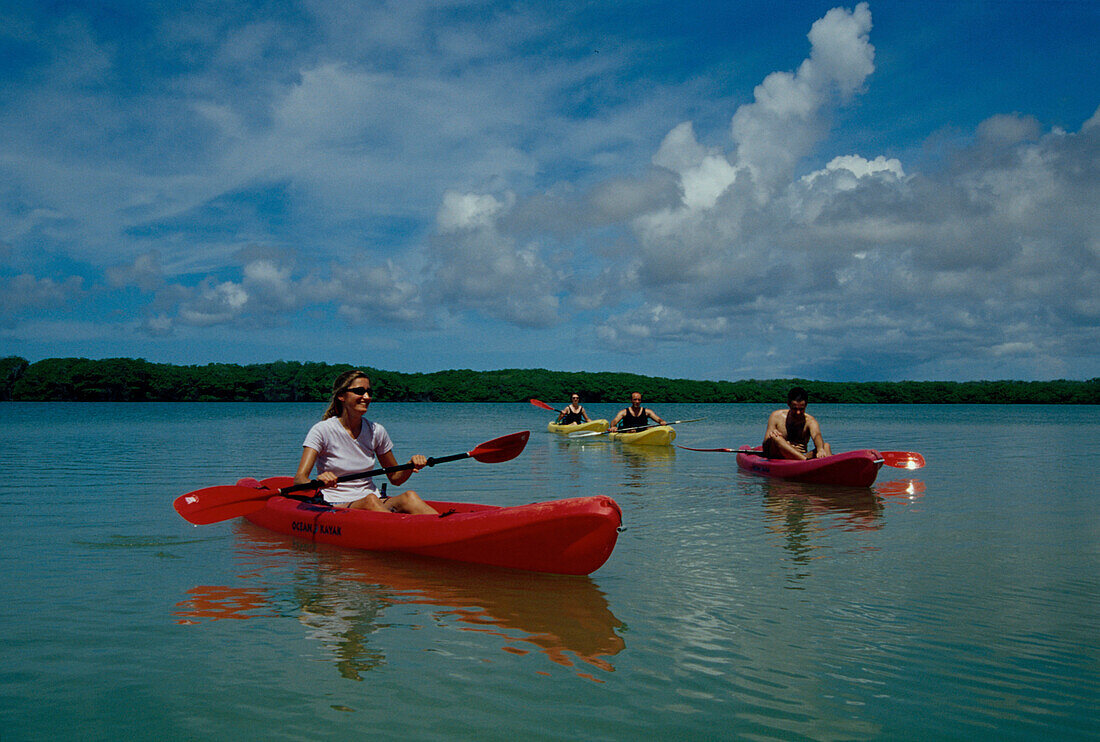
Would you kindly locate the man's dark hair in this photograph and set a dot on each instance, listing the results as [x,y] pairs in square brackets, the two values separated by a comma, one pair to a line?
[798,394]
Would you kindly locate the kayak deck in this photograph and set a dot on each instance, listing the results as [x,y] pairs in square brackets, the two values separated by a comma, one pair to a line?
[571,536]
[851,469]
[596,426]
[658,435]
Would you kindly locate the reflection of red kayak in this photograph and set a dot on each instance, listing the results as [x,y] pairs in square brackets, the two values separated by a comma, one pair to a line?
[573,536]
[852,469]
[565,617]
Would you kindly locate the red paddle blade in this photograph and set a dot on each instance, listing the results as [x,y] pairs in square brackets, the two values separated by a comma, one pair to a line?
[228,511]
[505,448]
[543,405]
[903,459]
[214,504]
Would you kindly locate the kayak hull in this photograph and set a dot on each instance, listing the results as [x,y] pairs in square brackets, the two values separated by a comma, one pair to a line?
[659,435]
[595,426]
[573,536]
[851,469]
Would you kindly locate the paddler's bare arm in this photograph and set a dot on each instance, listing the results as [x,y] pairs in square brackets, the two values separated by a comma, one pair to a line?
[821,448]
[305,466]
[400,477]
[776,424]
[780,442]
[776,434]
[620,416]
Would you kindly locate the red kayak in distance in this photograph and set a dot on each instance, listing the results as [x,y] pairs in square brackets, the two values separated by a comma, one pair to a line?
[851,469]
[572,536]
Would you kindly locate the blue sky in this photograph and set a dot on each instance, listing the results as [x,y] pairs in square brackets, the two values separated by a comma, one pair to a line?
[715,190]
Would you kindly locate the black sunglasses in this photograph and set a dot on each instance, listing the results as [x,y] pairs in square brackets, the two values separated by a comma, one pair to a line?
[360,390]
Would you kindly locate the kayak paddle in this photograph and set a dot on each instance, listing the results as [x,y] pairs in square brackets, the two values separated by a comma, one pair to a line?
[543,405]
[896,459]
[903,459]
[213,504]
[590,433]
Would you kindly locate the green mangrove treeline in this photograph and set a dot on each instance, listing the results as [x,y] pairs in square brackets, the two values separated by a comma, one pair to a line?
[136,380]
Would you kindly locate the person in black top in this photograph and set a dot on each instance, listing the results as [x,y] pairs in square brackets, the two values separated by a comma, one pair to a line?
[635,416]
[574,414]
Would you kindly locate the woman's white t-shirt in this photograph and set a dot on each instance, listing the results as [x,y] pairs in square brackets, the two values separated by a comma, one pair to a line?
[341,454]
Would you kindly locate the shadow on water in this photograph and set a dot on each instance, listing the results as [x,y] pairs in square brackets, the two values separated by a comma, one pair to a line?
[342,596]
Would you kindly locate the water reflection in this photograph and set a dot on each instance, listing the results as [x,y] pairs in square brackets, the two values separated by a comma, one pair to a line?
[215,602]
[644,457]
[644,467]
[342,617]
[573,450]
[904,488]
[847,508]
[342,596]
[805,514]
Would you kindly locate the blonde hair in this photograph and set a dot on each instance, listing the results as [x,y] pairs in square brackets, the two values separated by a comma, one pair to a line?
[339,386]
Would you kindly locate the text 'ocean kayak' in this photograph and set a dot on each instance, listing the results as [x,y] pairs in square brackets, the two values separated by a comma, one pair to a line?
[851,469]
[573,536]
[596,426]
[658,435]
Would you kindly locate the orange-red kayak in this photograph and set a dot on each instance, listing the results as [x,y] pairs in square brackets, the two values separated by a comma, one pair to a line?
[851,469]
[572,536]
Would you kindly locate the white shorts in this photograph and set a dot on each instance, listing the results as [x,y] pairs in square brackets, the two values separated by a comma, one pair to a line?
[349,503]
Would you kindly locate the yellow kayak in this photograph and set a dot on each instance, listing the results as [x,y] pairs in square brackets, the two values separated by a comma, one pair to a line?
[596,426]
[658,435]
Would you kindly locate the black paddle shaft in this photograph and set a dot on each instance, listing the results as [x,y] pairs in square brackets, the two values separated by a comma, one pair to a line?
[317,484]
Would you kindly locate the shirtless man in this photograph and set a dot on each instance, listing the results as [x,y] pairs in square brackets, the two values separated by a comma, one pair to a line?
[790,430]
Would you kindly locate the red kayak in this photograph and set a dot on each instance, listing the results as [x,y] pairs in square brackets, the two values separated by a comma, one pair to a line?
[573,536]
[852,469]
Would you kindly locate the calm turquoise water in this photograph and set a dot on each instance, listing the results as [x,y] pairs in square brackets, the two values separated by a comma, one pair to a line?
[958,601]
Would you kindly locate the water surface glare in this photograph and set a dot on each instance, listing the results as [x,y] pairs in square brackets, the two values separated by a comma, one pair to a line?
[961,600]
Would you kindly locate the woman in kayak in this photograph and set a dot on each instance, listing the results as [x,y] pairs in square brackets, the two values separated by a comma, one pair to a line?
[345,442]
[574,414]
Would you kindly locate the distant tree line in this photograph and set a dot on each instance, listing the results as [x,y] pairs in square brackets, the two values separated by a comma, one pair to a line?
[136,380]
